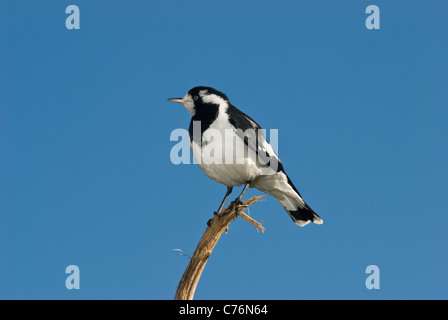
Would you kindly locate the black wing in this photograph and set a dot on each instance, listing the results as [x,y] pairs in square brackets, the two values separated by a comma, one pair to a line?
[253,136]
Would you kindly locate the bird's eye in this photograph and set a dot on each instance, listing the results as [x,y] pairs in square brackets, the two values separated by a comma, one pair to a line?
[195,97]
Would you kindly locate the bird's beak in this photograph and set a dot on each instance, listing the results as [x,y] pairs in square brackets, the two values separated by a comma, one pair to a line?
[178,100]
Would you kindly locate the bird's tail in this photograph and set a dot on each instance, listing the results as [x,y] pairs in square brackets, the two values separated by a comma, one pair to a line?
[303,216]
[281,188]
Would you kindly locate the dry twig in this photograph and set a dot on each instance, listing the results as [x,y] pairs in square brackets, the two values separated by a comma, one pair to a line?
[217,225]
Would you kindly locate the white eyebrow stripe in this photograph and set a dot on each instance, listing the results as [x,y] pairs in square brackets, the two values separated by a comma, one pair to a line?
[213,98]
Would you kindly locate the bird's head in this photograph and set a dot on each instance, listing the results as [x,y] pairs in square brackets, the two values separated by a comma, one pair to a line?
[199,98]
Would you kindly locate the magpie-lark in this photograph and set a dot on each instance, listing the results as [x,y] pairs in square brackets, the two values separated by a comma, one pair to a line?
[216,122]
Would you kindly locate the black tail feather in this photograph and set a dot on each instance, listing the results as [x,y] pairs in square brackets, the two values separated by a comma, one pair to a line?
[302,216]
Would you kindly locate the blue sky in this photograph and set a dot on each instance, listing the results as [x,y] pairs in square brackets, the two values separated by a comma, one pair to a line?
[85,171]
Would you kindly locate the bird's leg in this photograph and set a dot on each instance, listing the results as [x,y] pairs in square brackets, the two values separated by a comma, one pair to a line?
[229,191]
[238,201]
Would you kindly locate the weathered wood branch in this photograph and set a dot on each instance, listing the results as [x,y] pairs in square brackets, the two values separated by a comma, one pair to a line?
[217,225]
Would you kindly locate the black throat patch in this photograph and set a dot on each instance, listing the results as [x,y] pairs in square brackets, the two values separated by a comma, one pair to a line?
[206,113]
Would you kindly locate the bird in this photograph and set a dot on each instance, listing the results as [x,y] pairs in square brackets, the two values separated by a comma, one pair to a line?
[231,149]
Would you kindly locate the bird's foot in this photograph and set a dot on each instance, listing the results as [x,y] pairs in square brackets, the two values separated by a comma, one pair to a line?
[235,203]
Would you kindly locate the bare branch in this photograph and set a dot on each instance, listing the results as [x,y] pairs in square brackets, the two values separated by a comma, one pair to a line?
[217,225]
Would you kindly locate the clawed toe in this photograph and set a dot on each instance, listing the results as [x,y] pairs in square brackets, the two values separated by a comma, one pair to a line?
[237,202]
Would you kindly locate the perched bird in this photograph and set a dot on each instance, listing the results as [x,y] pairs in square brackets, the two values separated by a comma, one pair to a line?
[231,149]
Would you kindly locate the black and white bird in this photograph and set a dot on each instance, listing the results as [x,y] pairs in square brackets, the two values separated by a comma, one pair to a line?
[241,155]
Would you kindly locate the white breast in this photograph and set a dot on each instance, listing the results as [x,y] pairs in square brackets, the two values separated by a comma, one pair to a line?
[223,156]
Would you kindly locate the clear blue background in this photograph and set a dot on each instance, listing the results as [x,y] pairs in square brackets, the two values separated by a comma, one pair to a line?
[85,170]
